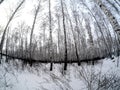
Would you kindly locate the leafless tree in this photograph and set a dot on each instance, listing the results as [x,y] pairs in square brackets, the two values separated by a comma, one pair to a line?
[74,37]
[50,37]
[114,6]
[32,30]
[100,29]
[10,19]
[111,18]
[58,35]
[65,38]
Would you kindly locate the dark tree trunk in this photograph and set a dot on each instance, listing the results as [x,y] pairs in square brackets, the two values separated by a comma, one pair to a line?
[50,38]
[65,38]
[32,30]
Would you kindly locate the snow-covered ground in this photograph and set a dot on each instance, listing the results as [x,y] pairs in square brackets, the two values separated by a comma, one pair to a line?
[14,77]
[104,75]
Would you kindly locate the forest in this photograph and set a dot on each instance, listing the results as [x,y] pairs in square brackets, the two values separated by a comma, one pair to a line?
[63,32]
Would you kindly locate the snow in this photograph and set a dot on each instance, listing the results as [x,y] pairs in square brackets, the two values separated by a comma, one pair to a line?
[39,77]
[13,76]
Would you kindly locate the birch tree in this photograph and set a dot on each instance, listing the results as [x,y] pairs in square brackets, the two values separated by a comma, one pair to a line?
[110,16]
